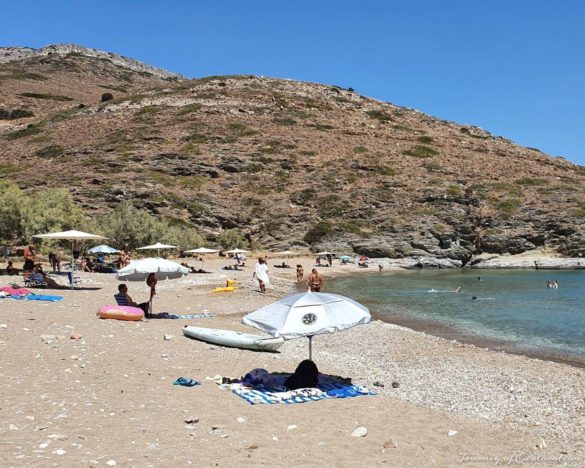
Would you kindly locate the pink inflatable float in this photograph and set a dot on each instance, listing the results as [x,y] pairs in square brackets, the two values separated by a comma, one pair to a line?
[120,312]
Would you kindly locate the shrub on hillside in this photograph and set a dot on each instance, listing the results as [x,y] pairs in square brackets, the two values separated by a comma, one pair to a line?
[231,239]
[15,114]
[318,232]
[421,151]
[107,97]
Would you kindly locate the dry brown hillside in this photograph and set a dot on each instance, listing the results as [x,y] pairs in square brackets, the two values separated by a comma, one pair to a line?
[288,163]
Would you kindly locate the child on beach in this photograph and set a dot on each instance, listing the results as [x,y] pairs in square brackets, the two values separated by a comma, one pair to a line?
[300,273]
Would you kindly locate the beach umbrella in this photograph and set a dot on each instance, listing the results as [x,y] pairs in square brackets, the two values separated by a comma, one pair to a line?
[286,253]
[325,253]
[158,246]
[102,249]
[71,236]
[202,251]
[236,251]
[139,270]
[308,314]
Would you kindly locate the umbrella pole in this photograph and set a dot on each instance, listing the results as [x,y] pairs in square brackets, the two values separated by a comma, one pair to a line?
[310,347]
[72,266]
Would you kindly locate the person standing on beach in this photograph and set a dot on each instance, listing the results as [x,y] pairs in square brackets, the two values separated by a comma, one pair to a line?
[315,282]
[261,274]
[29,257]
[300,273]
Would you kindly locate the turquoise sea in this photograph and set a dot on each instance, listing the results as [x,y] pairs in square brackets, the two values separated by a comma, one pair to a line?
[513,309]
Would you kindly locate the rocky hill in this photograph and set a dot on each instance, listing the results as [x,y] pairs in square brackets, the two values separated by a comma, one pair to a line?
[286,162]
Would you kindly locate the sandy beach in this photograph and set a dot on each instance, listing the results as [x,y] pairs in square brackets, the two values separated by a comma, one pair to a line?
[107,398]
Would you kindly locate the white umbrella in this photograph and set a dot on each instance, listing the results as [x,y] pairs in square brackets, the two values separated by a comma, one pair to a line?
[158,246]
[105,249]
[202,251]
[236,251]
[324,253]
[138,270]
[72,236]
[286,253]
[308,314]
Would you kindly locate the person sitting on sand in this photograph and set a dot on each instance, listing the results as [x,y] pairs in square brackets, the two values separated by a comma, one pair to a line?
[10,270]
[315,282]
[86,265]
[38,276]
[124,299]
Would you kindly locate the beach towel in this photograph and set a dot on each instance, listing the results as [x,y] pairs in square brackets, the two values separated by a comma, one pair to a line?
[165,315]
[36,297]
[10,290]
[328,387]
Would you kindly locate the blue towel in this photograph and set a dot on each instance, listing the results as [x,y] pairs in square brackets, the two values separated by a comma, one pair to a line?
[37,297]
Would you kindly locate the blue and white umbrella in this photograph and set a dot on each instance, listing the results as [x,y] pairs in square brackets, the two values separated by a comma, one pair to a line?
[102,249]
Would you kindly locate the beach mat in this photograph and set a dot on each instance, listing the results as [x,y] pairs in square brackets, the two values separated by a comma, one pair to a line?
[327,387]
[37,297]
[165,315]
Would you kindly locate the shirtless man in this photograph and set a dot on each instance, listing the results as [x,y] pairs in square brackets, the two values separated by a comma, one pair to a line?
[315,282]
[29,257]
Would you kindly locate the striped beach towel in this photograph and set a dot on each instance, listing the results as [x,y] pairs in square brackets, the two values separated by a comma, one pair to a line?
[325,389]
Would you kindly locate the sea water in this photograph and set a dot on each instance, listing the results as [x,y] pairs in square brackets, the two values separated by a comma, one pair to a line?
[510,306]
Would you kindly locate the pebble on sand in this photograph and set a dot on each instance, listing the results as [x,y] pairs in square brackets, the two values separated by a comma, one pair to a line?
[451,433]
[360,432]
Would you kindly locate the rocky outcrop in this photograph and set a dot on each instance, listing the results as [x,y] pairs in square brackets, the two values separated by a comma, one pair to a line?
[543,263]
[13,54]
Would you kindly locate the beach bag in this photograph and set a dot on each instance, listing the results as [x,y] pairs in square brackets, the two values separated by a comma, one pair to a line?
[306,376]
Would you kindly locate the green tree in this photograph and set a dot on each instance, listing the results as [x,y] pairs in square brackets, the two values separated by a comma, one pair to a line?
[51,210]
[129,227]
[184,238]
[12,204]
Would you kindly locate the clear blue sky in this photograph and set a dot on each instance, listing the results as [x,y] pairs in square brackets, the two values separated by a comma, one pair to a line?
[513,67]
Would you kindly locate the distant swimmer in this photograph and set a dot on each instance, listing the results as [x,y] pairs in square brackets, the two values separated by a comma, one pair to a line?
[433,290]
[474,298]
[479,278]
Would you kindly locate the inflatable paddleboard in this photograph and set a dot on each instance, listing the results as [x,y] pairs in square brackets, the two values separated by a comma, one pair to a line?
[233,339]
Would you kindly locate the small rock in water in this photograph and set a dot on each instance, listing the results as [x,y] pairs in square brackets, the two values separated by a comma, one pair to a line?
[360,432]
[451,433]
[395,384]
[377,383]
